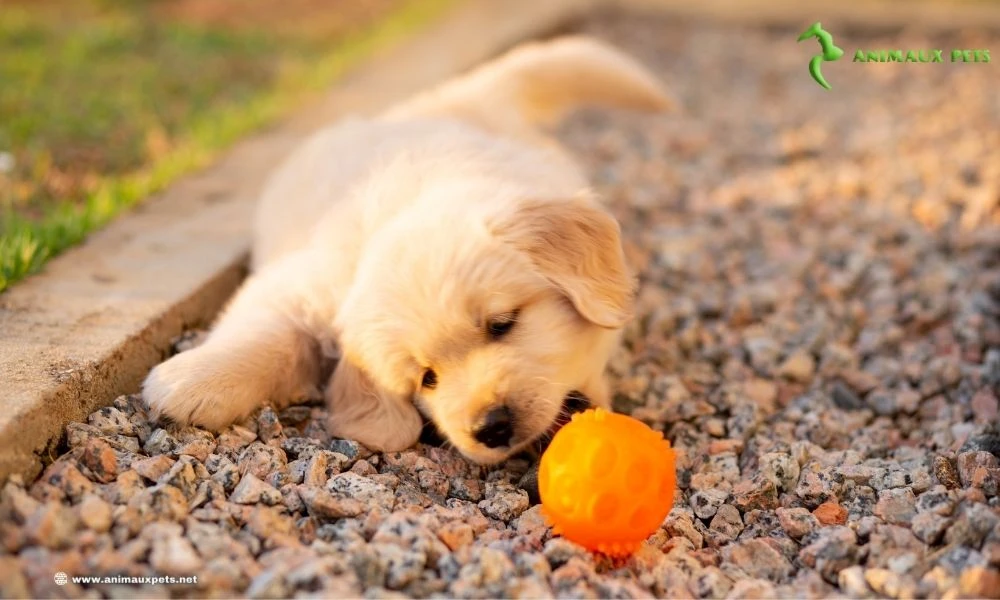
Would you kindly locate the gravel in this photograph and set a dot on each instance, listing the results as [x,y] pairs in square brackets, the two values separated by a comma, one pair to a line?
[817,335]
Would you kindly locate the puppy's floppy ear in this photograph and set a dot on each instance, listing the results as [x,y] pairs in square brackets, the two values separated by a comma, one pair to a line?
[577,246]
[363,411]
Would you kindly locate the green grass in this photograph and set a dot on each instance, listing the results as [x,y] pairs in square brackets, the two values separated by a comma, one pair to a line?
[103,107]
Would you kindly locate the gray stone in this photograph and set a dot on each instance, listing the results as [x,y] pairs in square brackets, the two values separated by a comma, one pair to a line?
[251,490]
[781,469]
[796,522]
[261,460]
[758,559]
[160,442]
[971,525]
[725,526]
[174,555]
[980,469]
[936,500]
[705,503]
[504,501]
[51,525]
[369,492]
[897,506]
[95,513]
[268,425]
[830,550]
[929,527]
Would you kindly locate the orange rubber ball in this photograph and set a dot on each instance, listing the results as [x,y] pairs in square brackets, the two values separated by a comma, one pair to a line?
[607,481]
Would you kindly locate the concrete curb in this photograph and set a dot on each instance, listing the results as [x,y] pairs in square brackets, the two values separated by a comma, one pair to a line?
[89,327]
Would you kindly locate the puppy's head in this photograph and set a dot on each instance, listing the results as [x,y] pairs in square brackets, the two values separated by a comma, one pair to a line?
[490,321]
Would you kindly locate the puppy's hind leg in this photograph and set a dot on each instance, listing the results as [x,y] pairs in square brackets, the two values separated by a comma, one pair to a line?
[264,348]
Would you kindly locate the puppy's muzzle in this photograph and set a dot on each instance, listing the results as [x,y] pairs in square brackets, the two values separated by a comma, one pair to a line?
[497,428]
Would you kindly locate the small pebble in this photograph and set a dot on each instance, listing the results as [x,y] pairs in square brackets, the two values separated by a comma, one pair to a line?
[154,467]
[796,522]
[51,525]
[896,506]
[251,490]
[95,513]
[830,513]
[504,501]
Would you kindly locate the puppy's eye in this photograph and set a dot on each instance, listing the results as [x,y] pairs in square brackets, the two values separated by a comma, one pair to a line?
[430,379]
[500,325]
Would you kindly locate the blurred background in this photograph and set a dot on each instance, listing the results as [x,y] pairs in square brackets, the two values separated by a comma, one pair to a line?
[105,101]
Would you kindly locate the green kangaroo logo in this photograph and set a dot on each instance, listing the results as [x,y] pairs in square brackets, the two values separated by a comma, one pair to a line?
[830,51]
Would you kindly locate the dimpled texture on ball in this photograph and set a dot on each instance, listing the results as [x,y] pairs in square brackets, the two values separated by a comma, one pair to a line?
[607,481]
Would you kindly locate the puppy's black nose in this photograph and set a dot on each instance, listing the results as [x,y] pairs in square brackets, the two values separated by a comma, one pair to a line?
[497,428]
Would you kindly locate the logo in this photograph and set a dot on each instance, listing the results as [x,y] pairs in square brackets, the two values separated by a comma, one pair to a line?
[61,578]
[931,55]
[829,51]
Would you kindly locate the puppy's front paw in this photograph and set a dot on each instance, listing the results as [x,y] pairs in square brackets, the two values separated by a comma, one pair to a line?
[199,387]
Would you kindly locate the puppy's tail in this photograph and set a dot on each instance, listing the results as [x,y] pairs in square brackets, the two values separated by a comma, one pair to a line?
[536,84]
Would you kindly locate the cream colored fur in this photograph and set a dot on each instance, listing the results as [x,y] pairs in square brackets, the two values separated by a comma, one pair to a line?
[390,243]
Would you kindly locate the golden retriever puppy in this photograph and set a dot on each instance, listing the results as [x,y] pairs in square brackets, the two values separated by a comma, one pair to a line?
[446,253]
